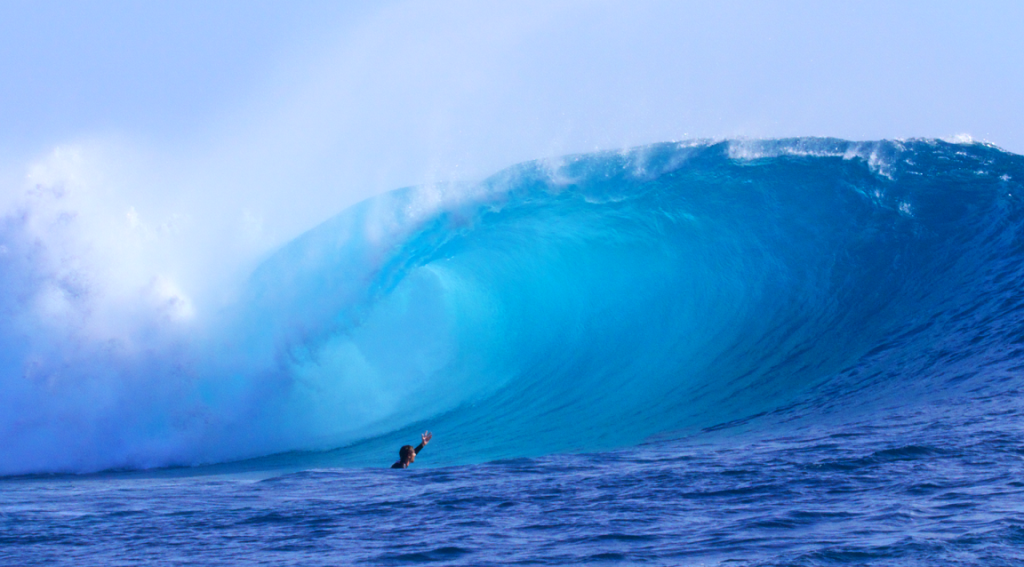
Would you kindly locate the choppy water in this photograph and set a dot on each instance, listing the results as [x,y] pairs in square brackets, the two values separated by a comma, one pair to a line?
[940,485]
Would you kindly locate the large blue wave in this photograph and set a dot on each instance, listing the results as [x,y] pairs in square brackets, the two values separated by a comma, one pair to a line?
[590,302]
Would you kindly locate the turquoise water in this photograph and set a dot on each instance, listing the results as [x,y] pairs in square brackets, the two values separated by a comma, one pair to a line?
[775,352]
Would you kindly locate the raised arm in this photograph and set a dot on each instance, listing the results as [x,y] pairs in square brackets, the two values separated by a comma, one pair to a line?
[426,437]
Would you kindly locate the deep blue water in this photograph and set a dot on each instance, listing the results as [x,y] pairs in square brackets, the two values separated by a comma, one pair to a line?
[939,485]
[789,352]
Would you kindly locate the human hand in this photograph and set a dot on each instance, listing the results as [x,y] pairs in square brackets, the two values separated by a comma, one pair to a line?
[426,437]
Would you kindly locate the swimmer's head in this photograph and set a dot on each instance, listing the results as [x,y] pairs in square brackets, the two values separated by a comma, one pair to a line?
[407,454]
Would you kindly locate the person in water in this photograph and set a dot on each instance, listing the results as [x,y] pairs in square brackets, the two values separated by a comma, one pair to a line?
[407,454]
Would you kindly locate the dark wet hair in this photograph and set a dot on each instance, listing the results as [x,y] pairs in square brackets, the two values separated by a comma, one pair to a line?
[406,451]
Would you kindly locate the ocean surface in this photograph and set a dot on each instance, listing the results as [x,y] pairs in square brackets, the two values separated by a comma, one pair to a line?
[776,352]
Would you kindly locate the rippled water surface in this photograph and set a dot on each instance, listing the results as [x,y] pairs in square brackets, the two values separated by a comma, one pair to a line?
[940,485]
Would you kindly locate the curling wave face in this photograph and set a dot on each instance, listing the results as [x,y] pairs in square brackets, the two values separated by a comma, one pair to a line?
[582,303]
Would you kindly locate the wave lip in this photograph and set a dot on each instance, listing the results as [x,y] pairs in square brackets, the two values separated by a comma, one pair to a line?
[589,302]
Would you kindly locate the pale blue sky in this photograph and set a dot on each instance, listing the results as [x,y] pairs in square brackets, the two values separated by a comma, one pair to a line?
[156,68]
[292,111]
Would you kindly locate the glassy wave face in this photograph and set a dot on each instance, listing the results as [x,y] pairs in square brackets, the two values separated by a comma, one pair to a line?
[576,304]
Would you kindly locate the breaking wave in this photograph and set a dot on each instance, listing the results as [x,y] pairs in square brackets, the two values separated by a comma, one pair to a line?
[582,303]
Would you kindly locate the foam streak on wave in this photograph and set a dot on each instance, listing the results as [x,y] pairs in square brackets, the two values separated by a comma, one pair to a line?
[585,302]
